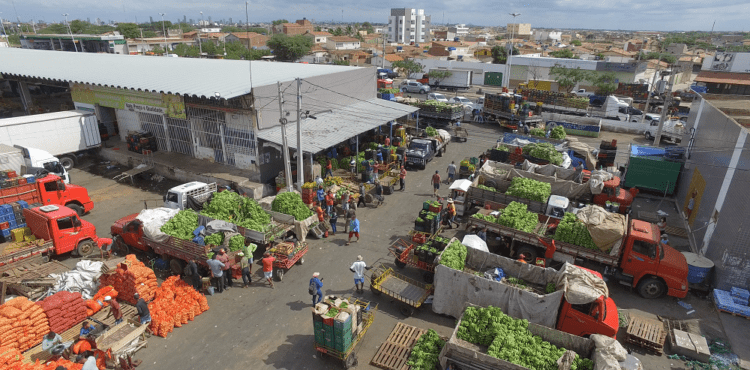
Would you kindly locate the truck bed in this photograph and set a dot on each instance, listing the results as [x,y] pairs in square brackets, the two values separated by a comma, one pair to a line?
[512,117]
[12,252]
[478,197]
[452,116]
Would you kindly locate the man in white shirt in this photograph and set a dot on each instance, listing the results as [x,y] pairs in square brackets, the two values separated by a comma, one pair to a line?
[358,268]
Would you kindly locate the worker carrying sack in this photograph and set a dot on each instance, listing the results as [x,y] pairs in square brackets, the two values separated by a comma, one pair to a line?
[312,289]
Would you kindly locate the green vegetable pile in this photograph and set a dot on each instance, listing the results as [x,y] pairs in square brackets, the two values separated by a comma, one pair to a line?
[182,225]
[537,132]
[332,312]
[529,189]
[515,281]
[509,339]
[237,243]
[516,216]
[214,239]
[437,106]
[551,288]
[558,133]
[502,148]
[573,231]
[488,218]
[486,188]
[544,151]
[430,131]
[290,203]
[424,355]
[426,247]
[454,256]
[241,211]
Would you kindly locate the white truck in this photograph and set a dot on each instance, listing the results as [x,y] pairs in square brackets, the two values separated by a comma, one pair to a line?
[583,93]
[458,80]
[673,130]
[177,197]
[610,109]
[63,134]
[31,161]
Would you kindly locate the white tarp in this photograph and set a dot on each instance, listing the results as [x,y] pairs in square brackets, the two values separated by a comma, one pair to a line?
[444,135]
[153,220]
[597,180]
[84,279]
[473,241]
[606,228]
[580,286]
[608,353]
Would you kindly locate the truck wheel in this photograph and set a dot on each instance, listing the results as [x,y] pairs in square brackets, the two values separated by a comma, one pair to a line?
[406,310]
[422,92]
[648,136]
[403,89]
[85,248]
[67,162]
[428,277]
[176,266]
[78,209]
[651,288]
[529,252]
[351,361]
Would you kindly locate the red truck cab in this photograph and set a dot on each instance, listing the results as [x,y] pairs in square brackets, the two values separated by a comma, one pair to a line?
[612,192]
[67,231]
[53,190]
[128,233]
[598,317]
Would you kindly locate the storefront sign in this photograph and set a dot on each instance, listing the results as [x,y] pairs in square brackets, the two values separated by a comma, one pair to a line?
[136,101]
[632,67]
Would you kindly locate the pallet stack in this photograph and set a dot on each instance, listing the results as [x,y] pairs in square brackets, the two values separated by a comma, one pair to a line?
[140,141]
[734,302]
[63,310]
[336,323]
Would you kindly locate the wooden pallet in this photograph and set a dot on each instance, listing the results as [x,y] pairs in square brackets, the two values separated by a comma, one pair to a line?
[676,231]
[394,352]
[735,314]
[646,333]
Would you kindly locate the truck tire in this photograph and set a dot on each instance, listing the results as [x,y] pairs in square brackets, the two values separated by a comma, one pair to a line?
[651,287]
[176,266]
[422,92]
[530,252]
[75,207]
[648,136]
[85,248]
[67,162]
[403,89]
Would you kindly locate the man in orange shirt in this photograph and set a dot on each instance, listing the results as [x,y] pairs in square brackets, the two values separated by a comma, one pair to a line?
[329,169]
[268,260]
[402,180]
[329,201]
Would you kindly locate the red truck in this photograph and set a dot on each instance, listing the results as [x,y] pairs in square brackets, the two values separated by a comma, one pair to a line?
[50,189]
[637,260]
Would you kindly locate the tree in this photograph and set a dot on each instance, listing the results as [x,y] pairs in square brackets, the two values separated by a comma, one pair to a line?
[576,42]
[606,83]
[337,32]
[236,50]
[665,57]
[407,67]
[129,30]
[568,78]
[599,56]
[318,29]
[54,29]
[500,54]
[439,75]
[341,62]
[186,27]
[289,48]
[149,33]
[349,29]
[563,53]
[14,40]
[367,27]
[157,50]
[279,21]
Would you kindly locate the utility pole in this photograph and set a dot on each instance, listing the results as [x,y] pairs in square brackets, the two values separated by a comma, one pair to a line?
[510,50]
[382,64]
[200,46]
[652,89]
[665,107]
[3,28]
[71,32]
[284,145]
[163,30]
[300,154]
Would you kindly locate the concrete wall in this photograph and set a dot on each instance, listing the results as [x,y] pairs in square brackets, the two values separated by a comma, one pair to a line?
[720,155]
[478,69]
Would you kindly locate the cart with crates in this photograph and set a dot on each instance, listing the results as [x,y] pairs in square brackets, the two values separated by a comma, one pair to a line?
[409,254]
[411,293]
[337,333]
[287,254]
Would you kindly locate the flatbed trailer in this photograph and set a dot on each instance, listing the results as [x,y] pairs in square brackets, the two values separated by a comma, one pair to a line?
[12,252]
[401,288]
[511,120]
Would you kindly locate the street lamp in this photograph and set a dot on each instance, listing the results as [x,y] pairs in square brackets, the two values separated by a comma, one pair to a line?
[71,32]
[200,46]
[510,50]
[3,27]
[164,31]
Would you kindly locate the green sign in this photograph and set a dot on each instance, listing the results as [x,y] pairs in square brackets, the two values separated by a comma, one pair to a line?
[137,101]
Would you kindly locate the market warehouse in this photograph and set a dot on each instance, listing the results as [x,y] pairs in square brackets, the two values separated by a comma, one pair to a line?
[204,108]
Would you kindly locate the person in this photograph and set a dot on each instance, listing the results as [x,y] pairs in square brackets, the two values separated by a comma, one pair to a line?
[86,328]
[268,260]
[321,217]
[319,181]
[114,309]
[358,268]
[579,173]
[451,214]
[226,272]
[246,265]
[662,224]
[330,199]
[83,345]
[194,275]
[402,178]
[379,154]
[482,159]
[690,205]
[329,168]
[349,214]
[435,182]
[345,201]
[353,230]
[142,309]
[321,195]
[451,171]
[526,129]
[316,284]
[522,258]
[482,234]
[664,239]
[379,193]
[361,199]
[387,141]
[53,340]
[217,273]
[353,167]
[333,219]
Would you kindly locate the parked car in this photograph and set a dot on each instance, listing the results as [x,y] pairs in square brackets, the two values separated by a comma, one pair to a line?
[630,110]
[387,72]
[437,96]
[649,117]
[414,87]
[463,101]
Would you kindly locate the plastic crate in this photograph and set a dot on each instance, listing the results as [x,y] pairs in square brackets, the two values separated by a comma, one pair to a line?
[23,204]
[740,301]
[6,209]
[725,302]
[740,293]
[5,232]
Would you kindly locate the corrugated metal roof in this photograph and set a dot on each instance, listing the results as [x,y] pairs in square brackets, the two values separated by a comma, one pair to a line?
[180,76]
[43,117]
[334,128]
[723,77]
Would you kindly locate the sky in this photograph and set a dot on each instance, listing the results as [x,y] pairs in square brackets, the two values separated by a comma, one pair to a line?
[658,15]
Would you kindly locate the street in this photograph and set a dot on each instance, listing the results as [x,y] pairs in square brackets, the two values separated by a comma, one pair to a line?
[264,328]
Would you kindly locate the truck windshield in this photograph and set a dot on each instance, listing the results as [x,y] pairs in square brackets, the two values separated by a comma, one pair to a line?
[418,146]
[172,197]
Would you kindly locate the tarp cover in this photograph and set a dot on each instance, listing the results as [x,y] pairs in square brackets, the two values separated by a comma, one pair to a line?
[456,290]
[608,353]
[153,220]
[583,149]
[597,180]
[606,228]
[560,179]
[444,135]
[84,279]
[473,241]
[580,286]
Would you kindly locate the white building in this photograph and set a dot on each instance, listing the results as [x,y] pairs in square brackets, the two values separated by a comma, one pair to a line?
[342,43]
[407,25]
[547,36]
[460,30]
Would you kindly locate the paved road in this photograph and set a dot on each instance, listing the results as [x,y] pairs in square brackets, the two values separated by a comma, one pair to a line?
[264,328]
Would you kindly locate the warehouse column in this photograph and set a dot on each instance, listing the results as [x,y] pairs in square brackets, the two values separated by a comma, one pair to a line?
[166,132]
[23,90]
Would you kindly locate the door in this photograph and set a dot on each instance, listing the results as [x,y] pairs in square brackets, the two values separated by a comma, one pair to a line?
[90,131]
[53,192]
[493,78]
[65,232]
[577,319]
[641,258]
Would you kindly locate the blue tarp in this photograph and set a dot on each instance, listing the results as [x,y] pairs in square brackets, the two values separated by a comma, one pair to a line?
[646,151]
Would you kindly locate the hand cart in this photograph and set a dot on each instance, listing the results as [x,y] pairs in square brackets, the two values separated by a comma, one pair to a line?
[348,358]
[404,253]
[410,292]
[285,262]
[460,134]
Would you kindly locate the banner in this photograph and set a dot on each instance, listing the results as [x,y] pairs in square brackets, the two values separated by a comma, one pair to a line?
[134,101]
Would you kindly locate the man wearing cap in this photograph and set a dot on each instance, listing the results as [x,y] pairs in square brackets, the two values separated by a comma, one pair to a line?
[451,214]
[217,273]
[246,265]
[114,309]
[522,258]
[358,268]
[53,340]
[317,284]
[142,308]
[268,260]
[226,273]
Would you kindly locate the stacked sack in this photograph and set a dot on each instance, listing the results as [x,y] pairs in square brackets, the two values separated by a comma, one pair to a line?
[23,324]
[11,358]
[175,304]
[131,277]
[63,310]
[96,303]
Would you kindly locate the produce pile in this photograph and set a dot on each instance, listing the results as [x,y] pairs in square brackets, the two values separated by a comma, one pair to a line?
[23,324]
[182,225]
[214,239]
[516,216]
[502,148]
[96,303]
[424,354]
[242,211]
[544,151]
[63,310]
[509,339]
[454,256]
[558,132]
[572,230]
[437,106]
[176,303]
[290,203]
[486,188]
[489,218]
[130,277]
[430,131]
[537,132]
[529,189]
[12,358]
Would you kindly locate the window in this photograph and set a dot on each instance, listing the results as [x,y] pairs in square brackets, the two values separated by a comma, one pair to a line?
[400,21]
[172,197]
[412,22]
[390,29]
[65,223]
[50,186]
[645,248]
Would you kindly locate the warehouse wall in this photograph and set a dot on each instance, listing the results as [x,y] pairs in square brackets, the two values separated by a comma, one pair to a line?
[725,240]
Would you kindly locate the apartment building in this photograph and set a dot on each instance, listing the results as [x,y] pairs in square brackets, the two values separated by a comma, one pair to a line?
[407,25]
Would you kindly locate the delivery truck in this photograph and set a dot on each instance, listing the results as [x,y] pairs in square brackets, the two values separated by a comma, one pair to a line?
[458,80]
[64,134]
[31,161]
[46,190]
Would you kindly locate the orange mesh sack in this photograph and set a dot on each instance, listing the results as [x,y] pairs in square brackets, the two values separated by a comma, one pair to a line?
[24,333]
[131,277]
[176,303]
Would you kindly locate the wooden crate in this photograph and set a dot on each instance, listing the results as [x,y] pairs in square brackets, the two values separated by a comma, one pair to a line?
[394,352]
[646,333]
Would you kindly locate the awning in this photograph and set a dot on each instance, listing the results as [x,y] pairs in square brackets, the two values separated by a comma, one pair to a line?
[330,129]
